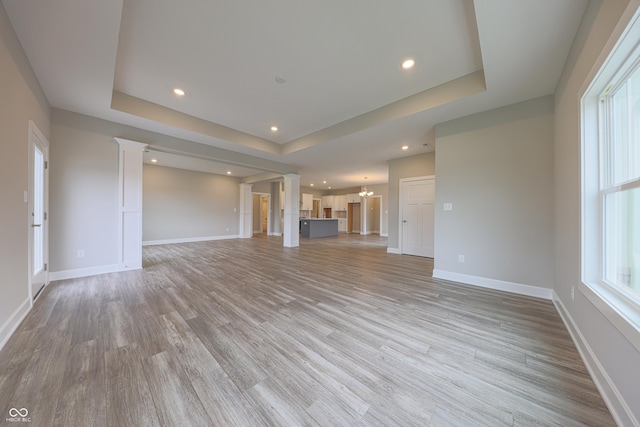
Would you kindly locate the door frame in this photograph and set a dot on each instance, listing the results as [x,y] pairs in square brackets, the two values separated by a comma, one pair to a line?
[401,200]
[37,137]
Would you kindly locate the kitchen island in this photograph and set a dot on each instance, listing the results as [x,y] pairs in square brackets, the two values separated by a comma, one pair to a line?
[318,227]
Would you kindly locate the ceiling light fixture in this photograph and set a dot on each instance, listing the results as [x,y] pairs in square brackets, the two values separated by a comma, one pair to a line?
[364,193]
[274,128]
[405,147]
[324,182]
[154,160]
[228,172]
[179,92]
[311,185]
[408,64]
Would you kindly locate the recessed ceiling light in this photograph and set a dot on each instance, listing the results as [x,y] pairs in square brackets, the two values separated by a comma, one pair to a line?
[228,172]
[274,128]
[405,147]
[408,64]
[324,182]
[329,187]
[179,92]
[154,160]
[311,185]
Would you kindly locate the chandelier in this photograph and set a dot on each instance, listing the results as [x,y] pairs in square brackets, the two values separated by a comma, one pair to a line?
[364,193]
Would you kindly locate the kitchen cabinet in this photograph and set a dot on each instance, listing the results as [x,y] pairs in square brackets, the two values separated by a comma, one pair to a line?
[307,202]
[340,203]
[342,224]
[327,202]
[353,198]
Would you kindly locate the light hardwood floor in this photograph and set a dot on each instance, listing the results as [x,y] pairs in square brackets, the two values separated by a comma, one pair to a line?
[335,333]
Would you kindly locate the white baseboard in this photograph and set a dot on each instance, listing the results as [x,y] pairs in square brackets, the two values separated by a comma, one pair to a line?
[500,285]
[615,402]
[394,251]
[84,272]
[13,322]
[384,234]
[275,234]
[188,240]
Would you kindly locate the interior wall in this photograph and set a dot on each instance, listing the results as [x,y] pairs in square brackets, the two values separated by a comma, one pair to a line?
[256,213]
[612,356]
[22,100]
[405,167]
[496,168]
[83,199]
[181,205]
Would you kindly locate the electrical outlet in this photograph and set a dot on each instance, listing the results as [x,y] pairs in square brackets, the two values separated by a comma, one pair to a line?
[460,258]
[80,253]
[573,293]
[447,206]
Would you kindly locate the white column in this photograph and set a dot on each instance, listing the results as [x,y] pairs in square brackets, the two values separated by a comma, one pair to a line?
[246,211]
[291,210]
[130,204]
[363,215]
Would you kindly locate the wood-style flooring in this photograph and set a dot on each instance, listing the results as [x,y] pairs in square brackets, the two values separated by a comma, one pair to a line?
[336,332]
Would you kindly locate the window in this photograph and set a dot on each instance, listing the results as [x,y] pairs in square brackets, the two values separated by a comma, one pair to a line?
[619,169]
[611,186]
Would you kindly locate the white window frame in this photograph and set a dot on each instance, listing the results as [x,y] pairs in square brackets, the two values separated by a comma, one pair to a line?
[618,303]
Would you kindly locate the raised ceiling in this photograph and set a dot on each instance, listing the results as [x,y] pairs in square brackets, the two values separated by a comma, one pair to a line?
[326,73]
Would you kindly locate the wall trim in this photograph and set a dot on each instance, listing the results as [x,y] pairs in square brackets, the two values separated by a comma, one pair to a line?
[85,272]
[615,402]
[13,322]
[274,234]
[188,240]
[500,285]
[384,234]
[394,251]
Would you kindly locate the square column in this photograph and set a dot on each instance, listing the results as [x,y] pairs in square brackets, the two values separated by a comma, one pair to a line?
[130,204]
[246,211]
[291,210]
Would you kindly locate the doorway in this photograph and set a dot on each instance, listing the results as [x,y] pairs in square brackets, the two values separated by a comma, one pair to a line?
[261,213]
[417,216]
[38,200]
[353,218]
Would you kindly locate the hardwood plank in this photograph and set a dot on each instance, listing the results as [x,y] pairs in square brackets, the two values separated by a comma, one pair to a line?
[336,332]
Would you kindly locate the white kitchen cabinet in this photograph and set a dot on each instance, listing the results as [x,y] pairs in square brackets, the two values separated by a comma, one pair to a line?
[307,202]
[342,225]
[327,202]
[353,198]
[340,203]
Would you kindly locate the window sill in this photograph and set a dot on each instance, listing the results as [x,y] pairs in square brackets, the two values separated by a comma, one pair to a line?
[622,312]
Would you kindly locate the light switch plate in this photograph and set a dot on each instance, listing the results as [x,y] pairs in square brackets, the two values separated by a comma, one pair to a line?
[448,206]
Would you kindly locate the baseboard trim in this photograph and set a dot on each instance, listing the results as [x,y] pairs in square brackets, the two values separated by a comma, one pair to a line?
[394,251]
[384,234]
[13,322]
[188,240]
[499,285]
[615,402]
[84,272]
[274,234]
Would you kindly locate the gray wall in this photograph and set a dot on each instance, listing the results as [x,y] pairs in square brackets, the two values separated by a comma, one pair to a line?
[180,204]
[22,100]
[84,198]
[496,168]
[405,167]
[604,346]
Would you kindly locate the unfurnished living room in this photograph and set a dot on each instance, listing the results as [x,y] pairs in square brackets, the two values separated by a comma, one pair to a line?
[338,213]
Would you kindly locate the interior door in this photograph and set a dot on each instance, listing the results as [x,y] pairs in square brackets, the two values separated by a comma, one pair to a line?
[38,200]
[418,217]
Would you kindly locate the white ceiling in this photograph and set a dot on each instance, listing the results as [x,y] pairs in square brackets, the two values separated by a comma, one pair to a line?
[346,106]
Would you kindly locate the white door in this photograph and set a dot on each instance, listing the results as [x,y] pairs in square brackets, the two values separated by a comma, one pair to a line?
[38,200]
[417,216]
